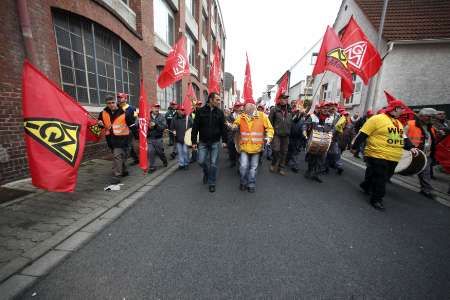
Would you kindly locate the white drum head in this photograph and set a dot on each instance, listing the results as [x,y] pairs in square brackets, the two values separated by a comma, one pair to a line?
[404,162]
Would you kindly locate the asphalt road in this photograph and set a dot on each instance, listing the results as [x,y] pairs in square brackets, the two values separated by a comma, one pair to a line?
[293,238]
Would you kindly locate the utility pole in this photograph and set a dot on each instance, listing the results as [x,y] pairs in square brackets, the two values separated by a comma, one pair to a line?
[370,99]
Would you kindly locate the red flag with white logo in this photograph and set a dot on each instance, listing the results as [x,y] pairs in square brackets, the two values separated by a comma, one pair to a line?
[248,88]
[332,57]
[55,132]
[214,73]
[177,64]
[363,57]
[282,86]
[144,120]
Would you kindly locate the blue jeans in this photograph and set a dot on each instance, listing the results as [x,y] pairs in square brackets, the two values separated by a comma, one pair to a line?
[208,155]
[183,155]
[247,168]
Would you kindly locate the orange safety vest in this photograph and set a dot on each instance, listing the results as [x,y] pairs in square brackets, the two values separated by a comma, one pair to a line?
[119,126]
[415,133]
[254,135]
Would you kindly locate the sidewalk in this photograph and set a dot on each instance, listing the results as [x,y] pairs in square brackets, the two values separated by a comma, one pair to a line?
[440,184]
[34,224]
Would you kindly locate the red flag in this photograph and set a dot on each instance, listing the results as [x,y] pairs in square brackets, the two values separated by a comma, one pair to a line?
[389,97]
[442,153]
[332,57]
[214,73]
[363,57]
[144,120]
[189,100]
[55,132]
[248,89]
[177,64]
[282,86]
[94,131]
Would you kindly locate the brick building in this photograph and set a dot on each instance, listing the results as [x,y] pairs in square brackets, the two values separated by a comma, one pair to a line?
[92,48]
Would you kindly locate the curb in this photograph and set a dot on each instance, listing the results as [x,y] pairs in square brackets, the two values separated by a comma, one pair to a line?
[19,274]
[402,183]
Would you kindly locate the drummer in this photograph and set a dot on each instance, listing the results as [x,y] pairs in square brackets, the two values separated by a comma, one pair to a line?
[385,142]
[255,128]
[421,133]
[180,123]
[321,121]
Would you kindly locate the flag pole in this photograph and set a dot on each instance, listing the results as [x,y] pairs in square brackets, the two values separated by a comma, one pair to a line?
[311,109]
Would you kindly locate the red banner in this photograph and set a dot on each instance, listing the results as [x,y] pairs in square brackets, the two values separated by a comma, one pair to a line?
[247,94]
[177,64]
[332,57]
[214,73]
[55,132]
[189,100]
[144,120]
[363,57]
[282,87]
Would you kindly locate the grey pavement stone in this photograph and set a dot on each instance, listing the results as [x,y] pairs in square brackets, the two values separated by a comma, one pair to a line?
[44,227]
[45,263]
[129,201]
[23,243]
[15,285]
[75,241]
[12,267]
[8,254]
[97,225]
[113,213]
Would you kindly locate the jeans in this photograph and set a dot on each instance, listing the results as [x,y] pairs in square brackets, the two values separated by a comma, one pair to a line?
[208,156]
[425,177]
[247,168]
[183,155]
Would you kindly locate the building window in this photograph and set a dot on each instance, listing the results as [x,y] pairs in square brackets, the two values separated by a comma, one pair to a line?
[324,94]
[204,24]
[190,6]
[190,45]
[126,2]
[164,21]
[170,93]
[93,61]
[196,90]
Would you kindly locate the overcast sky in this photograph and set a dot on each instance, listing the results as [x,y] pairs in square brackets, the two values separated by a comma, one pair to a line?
[275,35]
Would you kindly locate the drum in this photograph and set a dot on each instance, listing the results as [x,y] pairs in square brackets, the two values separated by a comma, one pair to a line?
[410,164]
[237,142]
[319,142]
[187,137]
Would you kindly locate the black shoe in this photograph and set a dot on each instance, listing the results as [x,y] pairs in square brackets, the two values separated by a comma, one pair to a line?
[212,188]
[251,189]
[339,171]
[365,190]
[180,167]
[205,179]
[151,170]
[428,195]
[173,155]
[186,168]
[125,174]
[165,163]
[295,170]
[377,205]
[115,180]
[242,187]
[316,179]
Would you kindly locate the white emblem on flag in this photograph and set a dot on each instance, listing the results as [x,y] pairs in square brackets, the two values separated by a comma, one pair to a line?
[355,53]
[181,64]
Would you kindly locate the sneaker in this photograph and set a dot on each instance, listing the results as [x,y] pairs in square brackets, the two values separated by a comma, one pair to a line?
[429,195]
[212,188]
[115,180]
[251,189]
[282,172]
[377,205]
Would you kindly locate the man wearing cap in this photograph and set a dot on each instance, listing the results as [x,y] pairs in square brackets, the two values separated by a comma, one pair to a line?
[170,114]
[297,140]
[254,128]
[194,152]
[180,123]
[232,153]
[281,120]
[155,134]
[116,124]
[441,124]
[122,99]
[209,126]
[333,159]
[421,133]
[385,141]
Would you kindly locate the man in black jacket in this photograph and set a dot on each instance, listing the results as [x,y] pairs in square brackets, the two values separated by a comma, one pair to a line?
[281,119]
[209,124]
[155,134]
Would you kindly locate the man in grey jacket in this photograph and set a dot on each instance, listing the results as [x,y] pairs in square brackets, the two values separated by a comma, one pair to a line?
[155,134]
[281,120]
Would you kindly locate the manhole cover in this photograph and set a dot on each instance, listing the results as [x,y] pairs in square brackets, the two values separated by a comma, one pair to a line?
[7,194]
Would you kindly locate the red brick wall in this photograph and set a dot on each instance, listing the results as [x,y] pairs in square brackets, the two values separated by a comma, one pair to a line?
[13,163]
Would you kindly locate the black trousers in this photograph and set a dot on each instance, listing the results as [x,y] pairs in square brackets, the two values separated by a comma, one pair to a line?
[378,172]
